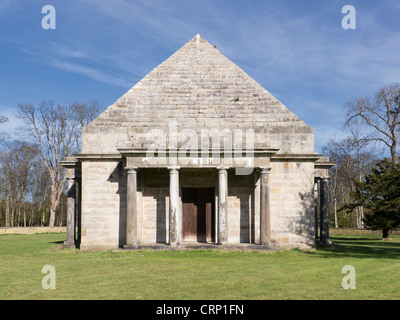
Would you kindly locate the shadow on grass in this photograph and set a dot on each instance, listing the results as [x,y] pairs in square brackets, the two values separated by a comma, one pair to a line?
[361,247]
[57,242]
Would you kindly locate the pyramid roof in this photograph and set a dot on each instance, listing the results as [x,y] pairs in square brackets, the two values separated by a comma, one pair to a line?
[198,87]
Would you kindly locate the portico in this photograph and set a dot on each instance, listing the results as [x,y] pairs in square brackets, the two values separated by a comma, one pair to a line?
[136,160]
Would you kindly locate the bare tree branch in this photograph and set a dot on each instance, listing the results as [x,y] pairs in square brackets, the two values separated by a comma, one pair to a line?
[380,116]
[56,129]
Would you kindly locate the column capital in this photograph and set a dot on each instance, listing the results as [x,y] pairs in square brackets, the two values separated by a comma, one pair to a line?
[265,170]
[322,178]
[222,169]
[131,169]
[70,182]
[173,169]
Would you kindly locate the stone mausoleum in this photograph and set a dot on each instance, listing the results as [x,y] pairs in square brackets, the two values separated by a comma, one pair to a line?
[197,154]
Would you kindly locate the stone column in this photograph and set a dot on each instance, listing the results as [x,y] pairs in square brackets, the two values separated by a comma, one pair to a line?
[315,195]
[70,242]
[78,205]
[174,217]
[324,210]
[131,207]
[265,213]
[222,206]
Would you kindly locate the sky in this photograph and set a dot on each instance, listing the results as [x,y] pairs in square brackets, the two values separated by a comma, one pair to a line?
[298,50]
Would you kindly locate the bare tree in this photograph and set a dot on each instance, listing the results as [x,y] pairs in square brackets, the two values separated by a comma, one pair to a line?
[354,157]
[3,135]
[379,115]
[16,168]
[57,131]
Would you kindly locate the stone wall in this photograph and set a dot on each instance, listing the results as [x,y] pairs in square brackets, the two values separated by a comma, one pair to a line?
[243,211]
[32,230]
[103,204]
[292,203]
[153,202]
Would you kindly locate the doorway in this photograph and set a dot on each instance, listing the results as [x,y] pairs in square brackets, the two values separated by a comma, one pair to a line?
[198,214]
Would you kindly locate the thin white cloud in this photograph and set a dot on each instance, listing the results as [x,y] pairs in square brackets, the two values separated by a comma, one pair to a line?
[62,50]
[71,60]
[91,73]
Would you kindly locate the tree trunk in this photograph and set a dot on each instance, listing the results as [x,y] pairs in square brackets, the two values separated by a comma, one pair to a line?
[335,210]
[362,217]
[54,202]
[18,214]
[358,217]
[24,215]
[12,216]
[393,152]
[31,216]
[52,216]
[385,234]
[7,212]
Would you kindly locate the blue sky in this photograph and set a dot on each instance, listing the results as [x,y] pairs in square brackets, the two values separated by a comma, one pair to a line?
[296,49]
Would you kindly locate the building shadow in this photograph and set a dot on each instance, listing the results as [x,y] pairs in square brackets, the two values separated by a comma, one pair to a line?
[358,247]
[243,188]
[118,176]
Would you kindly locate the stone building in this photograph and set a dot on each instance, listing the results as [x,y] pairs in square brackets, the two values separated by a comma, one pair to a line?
[197,153]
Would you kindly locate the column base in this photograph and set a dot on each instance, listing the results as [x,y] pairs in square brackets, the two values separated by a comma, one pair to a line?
[69,244]
[131,246]
[326,242]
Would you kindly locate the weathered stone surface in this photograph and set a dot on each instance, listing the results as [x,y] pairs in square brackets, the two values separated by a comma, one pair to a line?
[174,208]
[222,206]
[292,208]
[103,220]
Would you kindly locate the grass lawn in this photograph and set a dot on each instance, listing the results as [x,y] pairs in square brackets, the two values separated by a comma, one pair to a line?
[204,274]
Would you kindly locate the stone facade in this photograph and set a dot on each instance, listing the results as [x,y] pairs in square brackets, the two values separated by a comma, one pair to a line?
[128,197]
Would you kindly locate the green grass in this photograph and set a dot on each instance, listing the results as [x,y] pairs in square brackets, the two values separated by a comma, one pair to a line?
[204,274]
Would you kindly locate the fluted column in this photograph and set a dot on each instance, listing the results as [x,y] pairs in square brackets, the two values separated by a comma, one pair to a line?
[324,210]
[315,195]
[70,242]
[265,226]
[131,207]
[222,206]
[174,217]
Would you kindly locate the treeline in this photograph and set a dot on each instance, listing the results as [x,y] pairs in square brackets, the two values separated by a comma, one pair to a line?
[372,126]
[32,182]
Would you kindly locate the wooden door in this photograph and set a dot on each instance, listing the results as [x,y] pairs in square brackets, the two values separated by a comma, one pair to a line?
[198,217]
